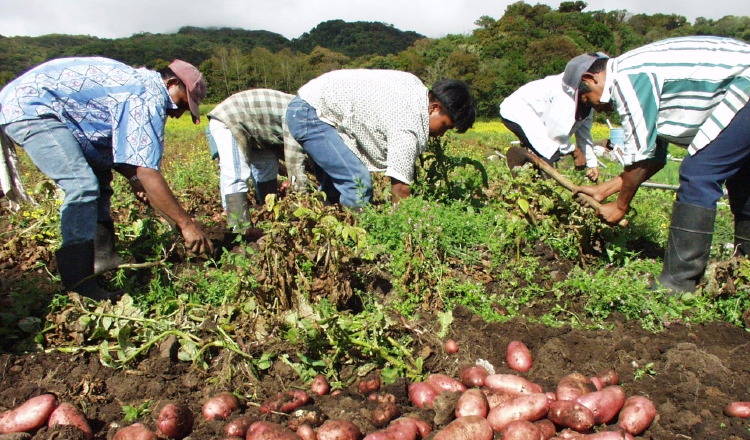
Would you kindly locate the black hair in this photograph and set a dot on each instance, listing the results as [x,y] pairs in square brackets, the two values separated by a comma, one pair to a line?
[455,97]
[597,66]
[167,73]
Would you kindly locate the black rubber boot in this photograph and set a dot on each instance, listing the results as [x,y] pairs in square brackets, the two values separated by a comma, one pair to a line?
[238,214]
[76,262]
[688,247]
[105,255]
[265,188]
[742,235]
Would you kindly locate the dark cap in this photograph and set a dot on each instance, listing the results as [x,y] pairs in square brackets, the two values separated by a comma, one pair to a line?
[572,77]
[195,86]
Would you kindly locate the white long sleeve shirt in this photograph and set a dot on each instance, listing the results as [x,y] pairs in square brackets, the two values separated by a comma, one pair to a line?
[545,110]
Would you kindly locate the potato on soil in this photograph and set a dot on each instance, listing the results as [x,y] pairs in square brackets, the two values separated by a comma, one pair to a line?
[305,432]
[738,409]
[239,426]
[422,395]
[285,401]
[382,397]
[473,375]
[320,385]
[571,414]
[472,402]
[442,382]
[135,431]
[308,415]
[547,428]
[574,385]
[531,407]
[604,404]
[466,428]
[383,414]
[339,430]
[609,377]
[69,415]
[521,430]
[175,421]
[518,357]
[30,415]
[511,383]
[369,384]
[637,414]
[451,346]
[220,406]
[269,431]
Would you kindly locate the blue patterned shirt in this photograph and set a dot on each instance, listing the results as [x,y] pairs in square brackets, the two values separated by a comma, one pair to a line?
[116,112]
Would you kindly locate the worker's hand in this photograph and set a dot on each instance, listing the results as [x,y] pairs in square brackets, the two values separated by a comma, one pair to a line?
[579,159]
[139,192]
[196,240]
[610,213]
[593,174]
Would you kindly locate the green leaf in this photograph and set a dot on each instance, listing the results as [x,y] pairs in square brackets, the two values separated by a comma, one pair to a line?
[104,357]
[445,319]
[524,205]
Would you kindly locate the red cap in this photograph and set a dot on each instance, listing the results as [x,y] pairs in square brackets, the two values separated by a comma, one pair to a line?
[194,84]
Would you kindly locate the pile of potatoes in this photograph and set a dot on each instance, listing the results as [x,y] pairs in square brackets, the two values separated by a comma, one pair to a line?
[41,411]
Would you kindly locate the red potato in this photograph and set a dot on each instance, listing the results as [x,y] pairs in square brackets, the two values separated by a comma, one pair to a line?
[518,357]
[604,404]
[551,396]
[320,385]
[270,431]
[175,421]
[636,415]
[574,385]
[569,434]
[511,383]
[380,435]
[466,428]
[305,416]
[135,431]
[220,406]
[305,432]
[422,395]
[383,414]
[285,401]
[382,397]
[339,430]
[597,383]
[30,415]
[473,375]
[441,382]
[547,428]
[239,426]
[738,409]
[521,430]
[69,415]
[571,414]
[369,384]
[451,346]
[530,407]
[472,402]
[609,377]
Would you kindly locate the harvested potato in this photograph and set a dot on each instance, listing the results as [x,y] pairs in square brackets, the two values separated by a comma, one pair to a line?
[67,414]
[30,415]
[473,375]
[220,406]
[637,414]
[466,428]
[472,402]
[339,430]
[285,401]
[608,377]
[571,414]
[521,430]
[309,415]
[320,385]
[305,432]
[384,413]
[574,385]
[239,426]
[738,409]
[511,383]
[175,421]
[518,357]
[269,431]
[382,397]
[422,395]
[135,431]
[442,382]
[369,384]
[529,407]
[495,398]
[604,404]
[546,427]
[451,346]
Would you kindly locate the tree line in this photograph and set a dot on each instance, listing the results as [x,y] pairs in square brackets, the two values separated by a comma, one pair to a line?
[528,42]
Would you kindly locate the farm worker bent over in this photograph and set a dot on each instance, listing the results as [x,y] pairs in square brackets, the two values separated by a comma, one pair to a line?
[543,115]
[248,133]
[80,118]
[693,92]
[352,122]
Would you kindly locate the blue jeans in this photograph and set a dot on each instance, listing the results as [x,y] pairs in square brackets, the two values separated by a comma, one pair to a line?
[726,160]
[342,176]
[54,150]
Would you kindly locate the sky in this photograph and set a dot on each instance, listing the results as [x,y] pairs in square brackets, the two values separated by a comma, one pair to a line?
[291,18]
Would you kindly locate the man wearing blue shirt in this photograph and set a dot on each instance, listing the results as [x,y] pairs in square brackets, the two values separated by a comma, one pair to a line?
[80,118]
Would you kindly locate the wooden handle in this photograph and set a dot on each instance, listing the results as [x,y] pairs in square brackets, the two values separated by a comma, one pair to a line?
[564,182]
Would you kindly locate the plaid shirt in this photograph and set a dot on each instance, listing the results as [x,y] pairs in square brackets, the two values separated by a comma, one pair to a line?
[257,119]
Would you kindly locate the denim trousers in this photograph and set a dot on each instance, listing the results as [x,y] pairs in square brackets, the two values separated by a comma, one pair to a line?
[56,152]
[726,160]
[238,165]
[342,176]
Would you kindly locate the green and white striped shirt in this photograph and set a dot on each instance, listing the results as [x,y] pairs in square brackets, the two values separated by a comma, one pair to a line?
[685,90]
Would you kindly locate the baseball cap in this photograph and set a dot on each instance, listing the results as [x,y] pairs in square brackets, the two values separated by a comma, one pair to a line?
[194,84]
[572,77]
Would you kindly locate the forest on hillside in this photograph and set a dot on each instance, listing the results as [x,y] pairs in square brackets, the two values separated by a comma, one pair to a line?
[528,42]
